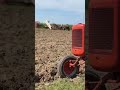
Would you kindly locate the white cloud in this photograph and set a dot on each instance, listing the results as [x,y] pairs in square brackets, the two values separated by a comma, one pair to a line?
[65,5]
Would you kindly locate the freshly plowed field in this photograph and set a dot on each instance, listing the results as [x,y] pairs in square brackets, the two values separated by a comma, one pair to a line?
[51,46]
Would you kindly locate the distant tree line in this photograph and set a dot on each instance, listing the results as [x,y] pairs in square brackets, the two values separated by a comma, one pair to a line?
[43,25]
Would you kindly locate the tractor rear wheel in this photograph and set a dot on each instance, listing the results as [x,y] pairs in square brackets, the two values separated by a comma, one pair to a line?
[64,68]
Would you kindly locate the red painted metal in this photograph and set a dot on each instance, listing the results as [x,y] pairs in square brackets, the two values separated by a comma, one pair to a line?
[78,47]
[75,63]
[67,68]
[104,20]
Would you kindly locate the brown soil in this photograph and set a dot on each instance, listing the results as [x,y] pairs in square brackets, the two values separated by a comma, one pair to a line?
[51,46]
[16,49]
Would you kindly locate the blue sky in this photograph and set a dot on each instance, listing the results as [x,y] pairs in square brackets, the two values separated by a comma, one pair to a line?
[60,11]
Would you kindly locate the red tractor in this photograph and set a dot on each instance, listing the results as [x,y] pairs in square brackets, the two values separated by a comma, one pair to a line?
[104,42]
[69,66]
[104,46]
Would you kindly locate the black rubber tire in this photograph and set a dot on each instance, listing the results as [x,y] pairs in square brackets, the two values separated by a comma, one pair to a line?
[61,72]
[92,76]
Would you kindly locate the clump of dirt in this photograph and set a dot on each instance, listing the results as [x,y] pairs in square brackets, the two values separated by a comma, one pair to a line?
[50,47]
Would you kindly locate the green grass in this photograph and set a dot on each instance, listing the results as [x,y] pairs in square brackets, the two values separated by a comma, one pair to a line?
[65,84]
